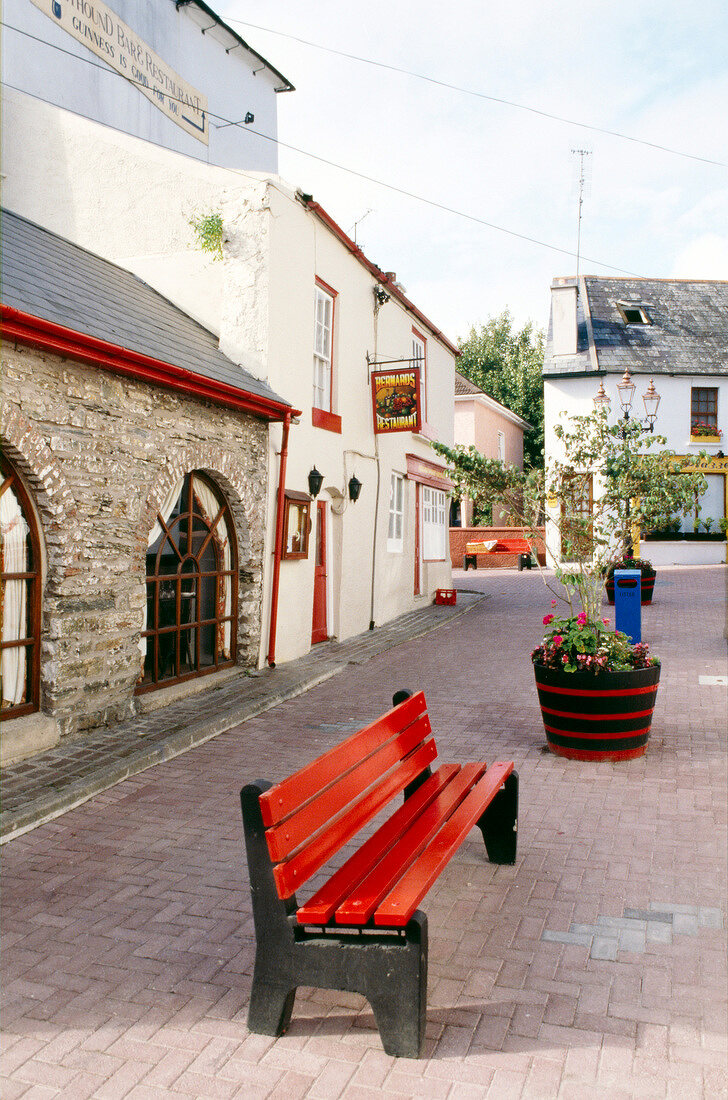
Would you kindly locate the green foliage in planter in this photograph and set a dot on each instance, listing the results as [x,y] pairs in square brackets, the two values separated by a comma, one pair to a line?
[645,567]
[209,229]
[576,645]
[637,483]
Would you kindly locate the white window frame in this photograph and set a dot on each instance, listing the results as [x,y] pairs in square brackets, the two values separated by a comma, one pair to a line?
[434,524]
[395,531]
[323,347]
[419,362]
[502,446]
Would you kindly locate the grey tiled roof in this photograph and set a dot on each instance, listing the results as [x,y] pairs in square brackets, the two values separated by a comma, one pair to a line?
[51,278]
[688,333]
[464,387]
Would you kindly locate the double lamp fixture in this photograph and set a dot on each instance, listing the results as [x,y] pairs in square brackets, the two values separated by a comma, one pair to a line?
[316,480]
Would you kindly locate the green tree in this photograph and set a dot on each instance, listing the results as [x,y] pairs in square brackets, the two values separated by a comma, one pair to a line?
[506,364]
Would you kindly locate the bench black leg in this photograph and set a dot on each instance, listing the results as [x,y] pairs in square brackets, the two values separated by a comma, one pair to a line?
[270,1007]
[499,823]
[398,993]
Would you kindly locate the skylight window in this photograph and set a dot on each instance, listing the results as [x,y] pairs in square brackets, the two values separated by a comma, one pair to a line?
[633,314]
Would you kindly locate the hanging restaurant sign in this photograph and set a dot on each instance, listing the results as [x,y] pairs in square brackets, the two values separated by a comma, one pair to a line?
[396,400]
[101,31]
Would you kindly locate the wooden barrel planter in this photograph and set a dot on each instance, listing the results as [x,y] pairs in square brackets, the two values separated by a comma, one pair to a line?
[604,717]
[648,587]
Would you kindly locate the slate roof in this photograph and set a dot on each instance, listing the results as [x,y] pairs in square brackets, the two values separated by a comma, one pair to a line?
[51,278]
[688,333]
[465,388]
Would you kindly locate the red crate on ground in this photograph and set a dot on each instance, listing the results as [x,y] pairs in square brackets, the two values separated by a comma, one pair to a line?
[446,596]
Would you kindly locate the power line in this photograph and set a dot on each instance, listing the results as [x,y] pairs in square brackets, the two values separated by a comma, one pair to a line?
[482,95]
[323,160]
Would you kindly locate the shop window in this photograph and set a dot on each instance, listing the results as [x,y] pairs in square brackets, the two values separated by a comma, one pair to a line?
[396,514]
[192,568]
[296,524]
[434,524]
[703,411]
[20,597]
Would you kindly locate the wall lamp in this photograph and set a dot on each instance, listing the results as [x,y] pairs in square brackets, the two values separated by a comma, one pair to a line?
[315,481]
[354,489]
[380,296]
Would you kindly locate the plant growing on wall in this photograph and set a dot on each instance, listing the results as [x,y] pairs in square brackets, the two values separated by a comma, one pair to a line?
[607,480]
[208,228]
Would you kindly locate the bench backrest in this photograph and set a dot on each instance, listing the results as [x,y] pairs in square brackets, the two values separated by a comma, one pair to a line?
[312,814]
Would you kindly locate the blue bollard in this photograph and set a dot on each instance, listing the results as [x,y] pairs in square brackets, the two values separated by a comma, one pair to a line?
[628,603]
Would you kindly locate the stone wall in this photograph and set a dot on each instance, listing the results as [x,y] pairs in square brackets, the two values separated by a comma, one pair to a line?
[99,453]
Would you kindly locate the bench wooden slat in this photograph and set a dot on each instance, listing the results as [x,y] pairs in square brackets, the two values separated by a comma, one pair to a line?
[292,874]
[299,827]
[361,903]
[320,908]
[400,904]
[285,797]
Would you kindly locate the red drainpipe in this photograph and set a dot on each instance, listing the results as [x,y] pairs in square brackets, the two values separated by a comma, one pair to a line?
[278,549]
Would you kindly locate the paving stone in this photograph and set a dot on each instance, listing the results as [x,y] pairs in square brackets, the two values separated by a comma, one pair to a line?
[657,932]
[127,926]
[685,924]
[604,947]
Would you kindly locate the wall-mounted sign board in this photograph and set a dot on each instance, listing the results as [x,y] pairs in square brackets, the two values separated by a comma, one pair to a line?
[396,400]
[101,31]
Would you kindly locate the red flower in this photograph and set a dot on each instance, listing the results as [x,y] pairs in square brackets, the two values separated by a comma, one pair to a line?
[547,619]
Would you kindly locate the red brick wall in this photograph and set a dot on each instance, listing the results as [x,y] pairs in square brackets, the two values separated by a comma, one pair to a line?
[459,536]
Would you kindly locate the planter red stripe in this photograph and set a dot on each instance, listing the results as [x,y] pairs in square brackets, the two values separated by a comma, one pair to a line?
[583,727]
[598,717]
[595,692]
[594,736]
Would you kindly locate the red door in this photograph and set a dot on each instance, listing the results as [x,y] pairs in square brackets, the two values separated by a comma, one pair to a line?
[417,539]
[319,629]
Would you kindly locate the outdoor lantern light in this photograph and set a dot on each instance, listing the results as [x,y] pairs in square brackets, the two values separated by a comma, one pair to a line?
[315,481]
[602,398]
[651,400]
[354,488]
[626,389]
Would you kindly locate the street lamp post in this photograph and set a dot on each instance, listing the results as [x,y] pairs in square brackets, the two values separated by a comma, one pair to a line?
[651,400]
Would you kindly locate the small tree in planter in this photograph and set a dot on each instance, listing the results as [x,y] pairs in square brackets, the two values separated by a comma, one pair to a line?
[607,480]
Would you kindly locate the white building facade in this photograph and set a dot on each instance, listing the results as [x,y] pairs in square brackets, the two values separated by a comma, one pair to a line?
[295,304]
[674,332]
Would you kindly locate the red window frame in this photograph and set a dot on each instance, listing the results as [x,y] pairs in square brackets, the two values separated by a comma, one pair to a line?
[417,335]
[327,418]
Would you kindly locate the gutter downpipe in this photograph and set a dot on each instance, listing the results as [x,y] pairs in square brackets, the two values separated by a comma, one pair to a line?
[278,549]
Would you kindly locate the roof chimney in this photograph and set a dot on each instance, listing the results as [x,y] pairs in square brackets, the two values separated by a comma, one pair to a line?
[563,316]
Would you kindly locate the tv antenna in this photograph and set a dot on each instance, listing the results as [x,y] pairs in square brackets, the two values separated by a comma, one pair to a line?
[360,220]
[583,182]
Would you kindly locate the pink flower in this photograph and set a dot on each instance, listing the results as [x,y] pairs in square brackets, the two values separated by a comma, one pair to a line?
[547,619]
[606,622]
[553,603]
[557,639]
[581,619]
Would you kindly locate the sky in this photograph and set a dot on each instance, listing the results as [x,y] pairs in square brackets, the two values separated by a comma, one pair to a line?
[655,70]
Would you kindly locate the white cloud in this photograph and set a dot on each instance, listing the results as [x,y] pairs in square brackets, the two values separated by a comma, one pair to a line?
[706,257]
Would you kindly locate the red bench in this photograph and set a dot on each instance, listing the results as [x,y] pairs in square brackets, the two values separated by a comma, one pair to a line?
[361,929]
[522,547]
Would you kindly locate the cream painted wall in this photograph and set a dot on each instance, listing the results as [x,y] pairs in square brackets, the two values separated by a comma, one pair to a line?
[260,302]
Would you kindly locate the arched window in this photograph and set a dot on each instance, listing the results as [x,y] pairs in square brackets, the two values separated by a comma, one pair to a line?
[20,574]
[192,569]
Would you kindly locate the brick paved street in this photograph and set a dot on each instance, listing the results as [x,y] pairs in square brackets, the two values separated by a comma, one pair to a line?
[595,967]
